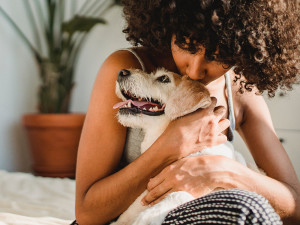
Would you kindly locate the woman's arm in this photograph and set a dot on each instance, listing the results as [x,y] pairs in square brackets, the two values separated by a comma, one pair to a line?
[102,193]
[281,185]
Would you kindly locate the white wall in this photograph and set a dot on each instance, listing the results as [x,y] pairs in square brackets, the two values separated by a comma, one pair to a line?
[19,78]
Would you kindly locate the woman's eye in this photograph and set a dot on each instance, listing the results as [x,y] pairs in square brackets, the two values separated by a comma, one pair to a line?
[164,79]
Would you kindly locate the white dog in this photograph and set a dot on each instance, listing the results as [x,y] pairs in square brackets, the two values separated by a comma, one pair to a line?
[151,102]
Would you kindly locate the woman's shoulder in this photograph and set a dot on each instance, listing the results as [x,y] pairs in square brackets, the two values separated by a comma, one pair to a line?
[124,58]
[142,56]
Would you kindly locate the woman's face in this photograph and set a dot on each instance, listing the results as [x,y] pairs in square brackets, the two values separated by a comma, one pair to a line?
[195,65]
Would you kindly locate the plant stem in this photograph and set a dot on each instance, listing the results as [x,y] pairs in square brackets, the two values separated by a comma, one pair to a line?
[61,12]
[61,16]
[91,7]
[86,5]
[39,10]
[73,8]
[33,24]
[51,5]
[75,49]
[103,8]
[23,37]
[42,22]
[96,11]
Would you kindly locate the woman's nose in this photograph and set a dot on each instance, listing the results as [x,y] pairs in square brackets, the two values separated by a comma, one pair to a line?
[196,69]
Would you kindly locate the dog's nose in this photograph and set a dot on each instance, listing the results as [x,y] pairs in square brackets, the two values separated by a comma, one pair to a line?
[124,73]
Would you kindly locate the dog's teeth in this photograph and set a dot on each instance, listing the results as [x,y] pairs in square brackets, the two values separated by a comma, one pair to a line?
[155,108]
[129,104]
[144,108]
[151,109]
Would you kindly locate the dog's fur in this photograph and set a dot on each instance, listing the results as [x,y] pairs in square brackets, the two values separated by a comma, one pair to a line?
[178,96]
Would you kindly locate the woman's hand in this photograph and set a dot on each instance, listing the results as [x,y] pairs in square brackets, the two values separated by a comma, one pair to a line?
[196,175]
[194,132]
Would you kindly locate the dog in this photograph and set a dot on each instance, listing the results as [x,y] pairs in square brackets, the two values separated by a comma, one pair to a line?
[151,102]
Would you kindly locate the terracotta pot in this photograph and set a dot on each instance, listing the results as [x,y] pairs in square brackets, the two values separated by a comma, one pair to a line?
[54,140]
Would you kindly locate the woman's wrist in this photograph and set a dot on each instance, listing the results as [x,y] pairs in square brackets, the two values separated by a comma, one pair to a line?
[162,154]
[166,148]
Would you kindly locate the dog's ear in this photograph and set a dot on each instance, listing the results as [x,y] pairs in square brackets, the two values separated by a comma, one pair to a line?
[188,96]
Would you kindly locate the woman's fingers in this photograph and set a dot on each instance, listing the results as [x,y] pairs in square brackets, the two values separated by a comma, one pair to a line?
[211,134]
[210,142]
[219,111]
[155,181]
[213,103]
[154,194]
[222,138]
[223,124]
[211,110]
[156,187]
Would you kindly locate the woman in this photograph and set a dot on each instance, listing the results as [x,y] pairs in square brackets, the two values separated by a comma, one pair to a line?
[202,39]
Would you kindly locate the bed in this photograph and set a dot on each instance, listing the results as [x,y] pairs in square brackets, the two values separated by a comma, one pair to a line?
[31,200]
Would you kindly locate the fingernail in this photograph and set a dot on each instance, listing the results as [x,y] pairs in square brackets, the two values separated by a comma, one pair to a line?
[143,203]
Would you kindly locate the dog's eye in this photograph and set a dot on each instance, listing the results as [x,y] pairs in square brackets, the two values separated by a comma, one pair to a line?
[164,79]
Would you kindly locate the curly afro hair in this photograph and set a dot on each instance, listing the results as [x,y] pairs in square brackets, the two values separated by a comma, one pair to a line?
[260,38]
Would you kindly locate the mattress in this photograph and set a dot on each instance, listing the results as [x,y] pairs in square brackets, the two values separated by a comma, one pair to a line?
[31,200]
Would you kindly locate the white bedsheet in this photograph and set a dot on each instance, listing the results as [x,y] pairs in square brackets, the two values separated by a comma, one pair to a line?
[31,200]
[14,219]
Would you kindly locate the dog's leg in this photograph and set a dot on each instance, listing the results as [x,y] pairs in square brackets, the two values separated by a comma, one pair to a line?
[128,217]
[156,214]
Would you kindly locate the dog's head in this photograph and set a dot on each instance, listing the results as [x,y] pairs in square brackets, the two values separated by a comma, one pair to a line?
[159,95]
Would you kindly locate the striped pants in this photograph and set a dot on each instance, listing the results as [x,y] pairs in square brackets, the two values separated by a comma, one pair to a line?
[227,207]
[231,206]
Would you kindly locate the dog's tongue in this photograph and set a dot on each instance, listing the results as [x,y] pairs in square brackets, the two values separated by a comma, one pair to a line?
[120,104]
[136,103]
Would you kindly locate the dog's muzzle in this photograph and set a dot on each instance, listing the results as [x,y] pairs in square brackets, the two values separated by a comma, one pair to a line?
[135,104]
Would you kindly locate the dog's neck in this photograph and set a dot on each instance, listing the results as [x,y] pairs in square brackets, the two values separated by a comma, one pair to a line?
[153,131]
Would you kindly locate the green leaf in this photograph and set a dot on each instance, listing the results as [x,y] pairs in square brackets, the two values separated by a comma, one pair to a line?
[81,24]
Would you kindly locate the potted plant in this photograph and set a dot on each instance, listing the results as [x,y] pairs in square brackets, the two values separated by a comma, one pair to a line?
[54,132]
